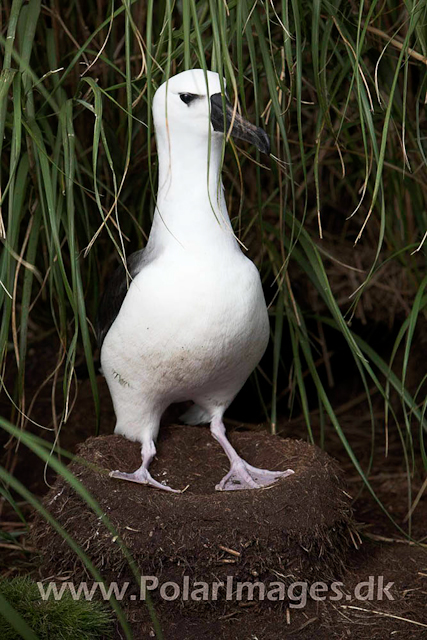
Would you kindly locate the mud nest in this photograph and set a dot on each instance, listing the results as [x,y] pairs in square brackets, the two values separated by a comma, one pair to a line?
[300,528]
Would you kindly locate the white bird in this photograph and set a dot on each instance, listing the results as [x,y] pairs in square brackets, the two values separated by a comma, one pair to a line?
[193,323]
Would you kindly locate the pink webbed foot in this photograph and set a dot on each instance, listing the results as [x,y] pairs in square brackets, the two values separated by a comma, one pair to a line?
[141,476]
[243,475]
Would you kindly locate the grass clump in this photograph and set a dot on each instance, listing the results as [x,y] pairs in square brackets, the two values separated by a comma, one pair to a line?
[64,619]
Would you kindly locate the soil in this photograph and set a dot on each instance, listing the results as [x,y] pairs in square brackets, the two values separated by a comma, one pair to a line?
[300,527]
[374,547]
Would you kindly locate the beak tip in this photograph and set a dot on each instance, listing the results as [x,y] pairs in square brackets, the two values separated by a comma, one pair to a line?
[264,146]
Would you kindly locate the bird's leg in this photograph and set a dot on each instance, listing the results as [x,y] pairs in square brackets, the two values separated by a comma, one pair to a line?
[242,475]
[142,475]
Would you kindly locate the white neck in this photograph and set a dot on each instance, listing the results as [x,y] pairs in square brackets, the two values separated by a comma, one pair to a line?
[191,213]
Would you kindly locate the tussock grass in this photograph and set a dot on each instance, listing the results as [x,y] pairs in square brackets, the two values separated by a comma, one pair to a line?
[64,619]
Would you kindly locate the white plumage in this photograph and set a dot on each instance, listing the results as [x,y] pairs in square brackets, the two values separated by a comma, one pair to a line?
[193,324]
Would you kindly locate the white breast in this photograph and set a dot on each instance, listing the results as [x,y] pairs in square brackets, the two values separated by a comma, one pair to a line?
[189,328]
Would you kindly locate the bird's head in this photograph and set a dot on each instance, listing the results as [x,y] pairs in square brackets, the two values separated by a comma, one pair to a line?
[192,104]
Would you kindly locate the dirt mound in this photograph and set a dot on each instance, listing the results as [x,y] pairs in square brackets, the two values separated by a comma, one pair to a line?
[297,529]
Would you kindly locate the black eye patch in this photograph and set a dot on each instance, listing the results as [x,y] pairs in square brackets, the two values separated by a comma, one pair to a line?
[188,98]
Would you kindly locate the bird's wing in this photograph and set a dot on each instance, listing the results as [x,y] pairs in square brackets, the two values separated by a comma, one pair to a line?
[115,293]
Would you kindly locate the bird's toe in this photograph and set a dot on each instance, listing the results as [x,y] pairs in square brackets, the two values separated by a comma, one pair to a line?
[142,476]
[244,476]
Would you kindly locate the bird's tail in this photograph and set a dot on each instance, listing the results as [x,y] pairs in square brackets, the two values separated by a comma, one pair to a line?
[195,415]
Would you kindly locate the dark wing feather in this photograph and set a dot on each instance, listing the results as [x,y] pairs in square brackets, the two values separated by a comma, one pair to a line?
[115,293]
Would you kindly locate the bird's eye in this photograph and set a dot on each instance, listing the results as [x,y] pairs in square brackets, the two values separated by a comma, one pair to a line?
[187,97]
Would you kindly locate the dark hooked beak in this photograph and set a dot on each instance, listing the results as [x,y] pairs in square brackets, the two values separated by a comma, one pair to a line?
[241,129]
